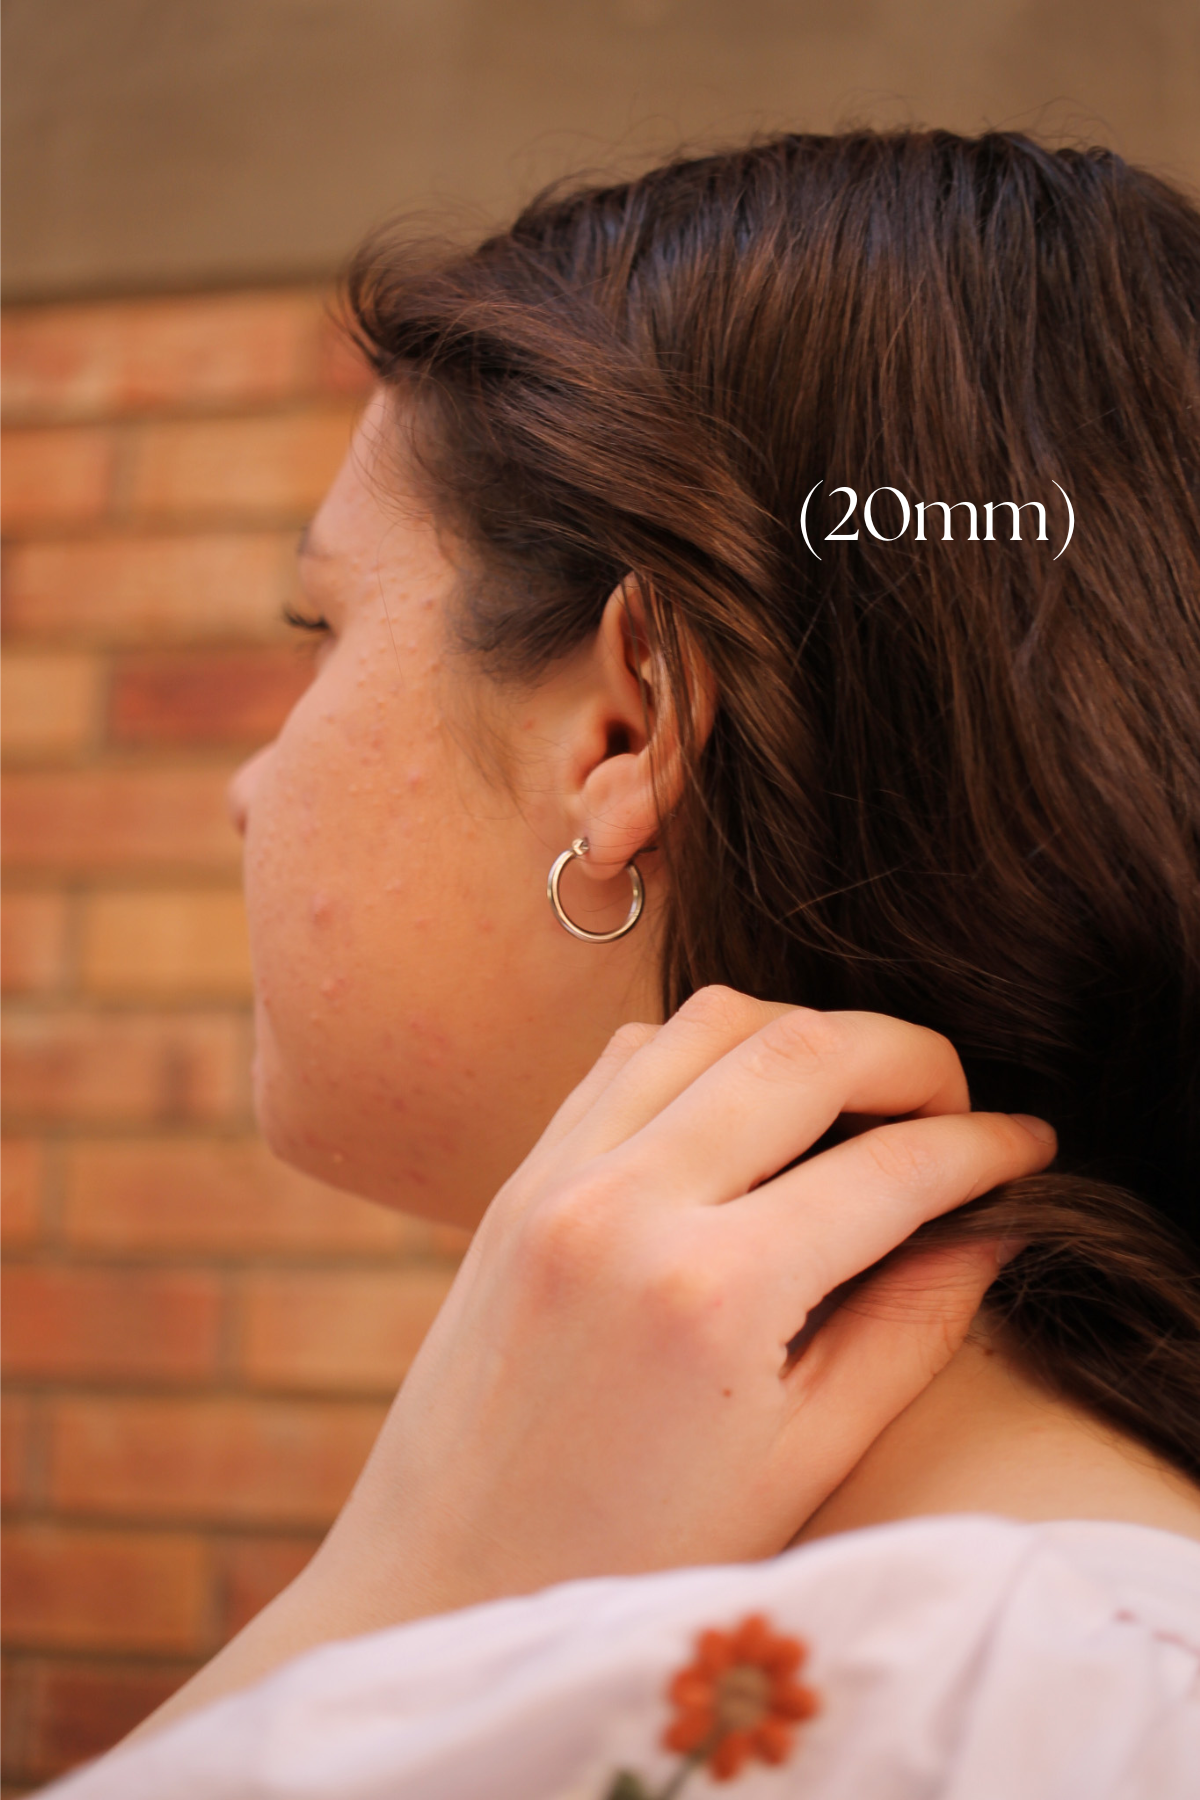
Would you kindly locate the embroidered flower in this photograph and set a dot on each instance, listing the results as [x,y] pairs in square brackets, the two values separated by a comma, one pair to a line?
[737,1698]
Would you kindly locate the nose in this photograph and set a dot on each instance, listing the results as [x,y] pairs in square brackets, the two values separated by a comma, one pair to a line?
[240,793]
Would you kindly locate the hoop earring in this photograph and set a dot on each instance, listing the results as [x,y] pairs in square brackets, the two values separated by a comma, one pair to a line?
[580,848]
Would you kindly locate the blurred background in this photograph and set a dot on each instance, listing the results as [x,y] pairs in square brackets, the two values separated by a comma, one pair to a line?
[199,1344]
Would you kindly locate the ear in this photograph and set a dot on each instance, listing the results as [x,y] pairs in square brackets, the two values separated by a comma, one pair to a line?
[633,772]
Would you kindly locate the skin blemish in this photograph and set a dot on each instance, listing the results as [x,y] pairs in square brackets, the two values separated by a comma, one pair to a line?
[320,909]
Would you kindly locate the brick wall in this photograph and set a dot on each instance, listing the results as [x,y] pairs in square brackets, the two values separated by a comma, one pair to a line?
[198,1343]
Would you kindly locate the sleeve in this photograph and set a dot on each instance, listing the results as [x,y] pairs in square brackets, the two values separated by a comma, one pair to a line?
[964,1658]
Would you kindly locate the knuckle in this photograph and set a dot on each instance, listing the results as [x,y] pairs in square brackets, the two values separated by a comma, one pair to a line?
[933,1053]
[567,1237]
[684,1296]
[936,1046]
[806,1032]
[797,1040]
[942,1046]
[630,1037]
[723,1010]
[944,1053]
[1001,1148]
[904,1155]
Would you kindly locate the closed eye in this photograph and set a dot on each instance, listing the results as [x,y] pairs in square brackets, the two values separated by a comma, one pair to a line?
[303,621]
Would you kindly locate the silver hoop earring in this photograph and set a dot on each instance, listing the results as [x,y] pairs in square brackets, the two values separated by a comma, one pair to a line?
[580,848]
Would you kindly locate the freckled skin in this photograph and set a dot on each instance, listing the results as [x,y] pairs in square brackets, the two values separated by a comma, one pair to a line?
[420,1014]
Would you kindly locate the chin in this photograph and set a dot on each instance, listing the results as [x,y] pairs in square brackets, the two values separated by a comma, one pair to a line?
[291,1124]
[281,1133]
[286,1122]
[408,1144]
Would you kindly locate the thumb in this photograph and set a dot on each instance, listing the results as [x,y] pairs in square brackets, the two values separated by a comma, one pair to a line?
[881,1348]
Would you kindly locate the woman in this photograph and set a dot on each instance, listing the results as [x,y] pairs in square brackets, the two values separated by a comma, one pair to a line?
[707,543]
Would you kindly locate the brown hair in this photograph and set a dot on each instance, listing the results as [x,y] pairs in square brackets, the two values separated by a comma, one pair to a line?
[957,781]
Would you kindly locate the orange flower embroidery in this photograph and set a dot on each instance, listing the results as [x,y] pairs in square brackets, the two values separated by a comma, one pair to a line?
[736,1699]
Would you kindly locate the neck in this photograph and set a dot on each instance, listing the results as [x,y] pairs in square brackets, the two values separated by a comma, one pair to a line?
[984,1438]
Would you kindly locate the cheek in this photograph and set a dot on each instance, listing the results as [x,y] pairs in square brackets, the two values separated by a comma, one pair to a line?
[321,847]
[407,967]
[354,881]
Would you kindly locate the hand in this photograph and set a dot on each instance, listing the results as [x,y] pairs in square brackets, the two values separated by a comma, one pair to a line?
[609,1385]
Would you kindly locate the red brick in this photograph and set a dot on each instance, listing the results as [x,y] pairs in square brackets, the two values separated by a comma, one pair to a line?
[234,1196]
[353,1330]
[22,1173]
[127,589]
[222,1460]
[102,819]
[78,1710]
[206,697]
[56,477]
[274,467]
[90,360]
[167,944]
[253,1570]
[51,703]
[33,941]
[104,1324]
[85,1589]
[16,1442]
[16,1696]
[125,1069]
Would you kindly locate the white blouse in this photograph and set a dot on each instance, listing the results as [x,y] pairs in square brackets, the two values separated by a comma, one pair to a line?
[966,1657]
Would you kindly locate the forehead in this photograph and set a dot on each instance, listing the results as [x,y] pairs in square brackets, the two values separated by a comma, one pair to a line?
[373,504]
[374,558]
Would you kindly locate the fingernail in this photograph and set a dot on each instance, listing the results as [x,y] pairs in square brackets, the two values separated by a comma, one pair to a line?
[1038,1128]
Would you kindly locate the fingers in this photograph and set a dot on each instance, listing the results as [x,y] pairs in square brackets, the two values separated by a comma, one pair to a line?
[769,1098]
[834,1216]
[640,1079]
[880,1350]
[619,1050]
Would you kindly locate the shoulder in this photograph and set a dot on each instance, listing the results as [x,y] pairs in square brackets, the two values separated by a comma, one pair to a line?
[966,1656]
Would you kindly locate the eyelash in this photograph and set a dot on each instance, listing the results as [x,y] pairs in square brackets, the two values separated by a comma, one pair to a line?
[301,622]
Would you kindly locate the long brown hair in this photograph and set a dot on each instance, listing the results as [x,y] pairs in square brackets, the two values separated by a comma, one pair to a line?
[955,780]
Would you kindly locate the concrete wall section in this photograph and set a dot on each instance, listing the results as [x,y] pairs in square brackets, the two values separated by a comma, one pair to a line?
[157,143]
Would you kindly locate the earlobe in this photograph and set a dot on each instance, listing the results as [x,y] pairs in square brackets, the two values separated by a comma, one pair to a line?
[626,792]
[619,811]
[578,850]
